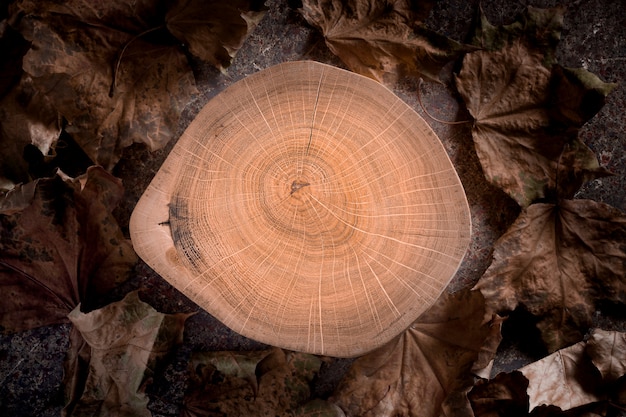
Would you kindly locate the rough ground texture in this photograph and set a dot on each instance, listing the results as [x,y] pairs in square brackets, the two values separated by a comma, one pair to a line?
[594,37]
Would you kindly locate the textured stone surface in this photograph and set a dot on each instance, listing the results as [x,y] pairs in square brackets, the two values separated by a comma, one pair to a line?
[594,37]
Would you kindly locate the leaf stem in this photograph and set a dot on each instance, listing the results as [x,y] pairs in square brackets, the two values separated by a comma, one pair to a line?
[119,58]
[419,99]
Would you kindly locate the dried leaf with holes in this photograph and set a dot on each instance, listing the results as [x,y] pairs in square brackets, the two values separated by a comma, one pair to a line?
[309,208]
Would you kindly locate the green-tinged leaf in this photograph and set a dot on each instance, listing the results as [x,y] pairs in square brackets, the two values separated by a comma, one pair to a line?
[577,95]
[556,261]
[380,39]
[526,119]
[536,28]
[269,382]
[416,373]
[126,339]
[59,246]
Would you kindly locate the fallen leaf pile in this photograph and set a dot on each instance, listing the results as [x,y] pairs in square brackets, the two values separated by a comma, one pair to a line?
[526,115]
[98,76]
[110,74]
[560,256]
[269,382]
[585,379]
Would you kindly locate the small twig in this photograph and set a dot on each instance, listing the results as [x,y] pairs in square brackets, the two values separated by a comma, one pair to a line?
[419,99]
[119,58]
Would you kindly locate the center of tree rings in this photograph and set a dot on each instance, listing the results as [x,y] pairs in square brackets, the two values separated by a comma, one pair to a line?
[297,185]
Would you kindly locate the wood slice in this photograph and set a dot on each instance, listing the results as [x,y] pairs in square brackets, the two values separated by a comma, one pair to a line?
[309,208]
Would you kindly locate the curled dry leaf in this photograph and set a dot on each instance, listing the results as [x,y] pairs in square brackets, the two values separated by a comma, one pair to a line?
[59,246]
[415,373]
[526,115]
[382,39]
[556,261]
[113,85]
[504,395]
[126,339]
[13,47]
[607,350]
[270,382]
[27,117]
[565,379]
[214,30]
[569,379]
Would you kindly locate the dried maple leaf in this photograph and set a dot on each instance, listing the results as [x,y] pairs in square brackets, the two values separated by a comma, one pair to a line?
[382,39]
[556,260]
[125,341]
[75,48]
[269,382]
[214,30]
[415,373]
[59,246]
[526,115]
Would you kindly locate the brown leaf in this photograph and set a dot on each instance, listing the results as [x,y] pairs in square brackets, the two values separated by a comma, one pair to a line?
[413,374]
[270,382]
[319,408]
[108,72]
[504,395]
[214,30]
[566,379]
[539,29]
[126,339]
[27,117]
[607,350]
[13,47]
[59,246]
[568,383]
[556,261]
[524,116]
[483,364]
[382,39]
